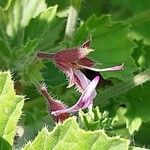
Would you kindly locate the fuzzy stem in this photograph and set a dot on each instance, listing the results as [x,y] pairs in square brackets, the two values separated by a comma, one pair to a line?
[42,89]
[44,55]
[71,22]
[123,87]
[72,18]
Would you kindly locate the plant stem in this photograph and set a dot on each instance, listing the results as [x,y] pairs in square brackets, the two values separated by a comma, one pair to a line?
[72,18]
[44,55]
[123,87]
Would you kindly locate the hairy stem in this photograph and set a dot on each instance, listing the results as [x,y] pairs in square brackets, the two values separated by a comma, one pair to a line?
[72,18]
[123,87]
[44,55]
[42,89]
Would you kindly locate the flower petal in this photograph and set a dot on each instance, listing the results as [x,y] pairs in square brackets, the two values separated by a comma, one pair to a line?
[81,81]
[85,100]
[115,68]
[70,74]
[86,62]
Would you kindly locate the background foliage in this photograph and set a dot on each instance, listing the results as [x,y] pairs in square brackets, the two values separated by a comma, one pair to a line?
[120,34]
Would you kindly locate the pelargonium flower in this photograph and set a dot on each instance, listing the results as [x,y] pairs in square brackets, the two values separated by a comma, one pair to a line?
[85,101]
[60,110]
[71,60]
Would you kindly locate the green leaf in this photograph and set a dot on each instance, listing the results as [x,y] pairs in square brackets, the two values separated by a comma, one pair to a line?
[53,75]
[63,8]
[53,34]
[24,28]
[141,54]
[130,11]
[137,106]
[136,111]
[44,24]
[111,45]
[16,18]
[94,120]
[137,148]
[36,118]
[69,136]
[68,96]
[142,136]
[103,97]
[134,98]
[137,13]
[144,60]
[39,142]
[140,27]
[10,109]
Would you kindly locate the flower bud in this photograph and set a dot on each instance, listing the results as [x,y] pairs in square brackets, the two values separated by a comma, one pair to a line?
[54,105]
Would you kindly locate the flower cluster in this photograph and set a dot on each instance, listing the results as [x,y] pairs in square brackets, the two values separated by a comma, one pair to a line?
[71,62]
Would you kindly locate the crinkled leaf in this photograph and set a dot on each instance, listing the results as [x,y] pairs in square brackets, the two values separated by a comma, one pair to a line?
[110,43]
[136,103]
[24,26]
[130,11]
[138,106]
[141,54]
[69,135]
[140,28]
[45,28]
[94,120]
[35,119]
[53,34]
[14,20]
[137,148]
[134,98]
[63,8]
[104,97]
[144,60]
[137,13]
[140,22]
[10,110]
[119,123]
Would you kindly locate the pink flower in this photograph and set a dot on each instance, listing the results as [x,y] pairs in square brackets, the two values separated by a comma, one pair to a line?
[53,105]
[60,110]
[85,101]
[73,59]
